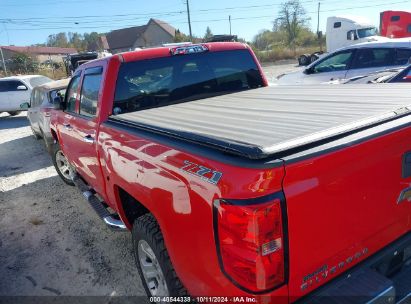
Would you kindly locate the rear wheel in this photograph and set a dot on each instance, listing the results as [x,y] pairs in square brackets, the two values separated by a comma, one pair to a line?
[14,113]
[62,165]
[152,260]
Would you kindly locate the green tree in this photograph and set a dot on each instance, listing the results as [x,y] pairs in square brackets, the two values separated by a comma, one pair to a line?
[266,40]
[208,34]
[92,41]
[23,63]
[76,41]
[58,40]
[292,19]
[181,37]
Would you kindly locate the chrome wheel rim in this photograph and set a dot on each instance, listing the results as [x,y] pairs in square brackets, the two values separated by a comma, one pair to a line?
[150,267]
[63,165]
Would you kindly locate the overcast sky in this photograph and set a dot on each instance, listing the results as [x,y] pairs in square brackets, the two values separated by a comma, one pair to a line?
[27,22]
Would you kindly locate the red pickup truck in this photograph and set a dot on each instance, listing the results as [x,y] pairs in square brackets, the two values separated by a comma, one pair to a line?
[232,188]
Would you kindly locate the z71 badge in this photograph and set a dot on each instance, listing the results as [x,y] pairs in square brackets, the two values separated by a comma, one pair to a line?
[206,174]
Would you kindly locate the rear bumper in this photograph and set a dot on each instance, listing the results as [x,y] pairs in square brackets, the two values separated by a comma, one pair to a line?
[383,278]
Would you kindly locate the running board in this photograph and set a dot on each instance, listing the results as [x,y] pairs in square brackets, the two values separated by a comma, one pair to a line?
[111,220]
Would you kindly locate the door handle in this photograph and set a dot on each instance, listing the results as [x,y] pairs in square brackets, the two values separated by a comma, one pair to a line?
[68,127]
[88,139]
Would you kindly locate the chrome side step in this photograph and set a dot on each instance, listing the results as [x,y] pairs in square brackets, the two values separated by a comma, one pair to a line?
[111,220]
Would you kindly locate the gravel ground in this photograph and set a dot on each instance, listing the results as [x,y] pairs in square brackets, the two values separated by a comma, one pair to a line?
[285,66]
[51,242]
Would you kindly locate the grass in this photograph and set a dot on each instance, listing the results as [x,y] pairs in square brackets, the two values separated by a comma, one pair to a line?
[56,75]
[280,53]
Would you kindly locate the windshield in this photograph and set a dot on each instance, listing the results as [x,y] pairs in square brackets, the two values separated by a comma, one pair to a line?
[36,81]
[163,81]
[367,32]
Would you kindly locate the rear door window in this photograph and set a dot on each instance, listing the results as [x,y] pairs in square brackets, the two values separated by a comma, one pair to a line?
[370,58]
[72,94]
[34,101]
[10,85]
[402,56]
[90,91]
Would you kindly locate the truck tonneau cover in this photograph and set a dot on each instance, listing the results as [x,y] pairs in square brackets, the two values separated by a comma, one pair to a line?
[271,120]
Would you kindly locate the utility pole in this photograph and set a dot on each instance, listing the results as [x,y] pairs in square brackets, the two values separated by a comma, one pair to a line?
[229,20]
[318,26]
[2,59]
[189,21]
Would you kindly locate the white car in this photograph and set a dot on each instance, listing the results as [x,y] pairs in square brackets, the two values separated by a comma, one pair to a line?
[351,61]
[16,90]
[40,106]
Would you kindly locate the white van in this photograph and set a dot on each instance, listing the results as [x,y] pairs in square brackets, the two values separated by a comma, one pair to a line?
[16,90]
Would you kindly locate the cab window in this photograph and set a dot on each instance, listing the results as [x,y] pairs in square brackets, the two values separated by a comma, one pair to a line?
[72,94]
[163,81]
[337,62]
[90,91]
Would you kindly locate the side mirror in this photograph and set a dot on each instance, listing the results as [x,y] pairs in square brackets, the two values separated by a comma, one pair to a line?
[58,103]
[21,88]
[24,106]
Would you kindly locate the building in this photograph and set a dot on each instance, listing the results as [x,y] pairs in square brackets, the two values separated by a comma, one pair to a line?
[40,54]
[154,33]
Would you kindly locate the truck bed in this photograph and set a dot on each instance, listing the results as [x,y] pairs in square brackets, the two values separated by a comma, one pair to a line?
[272,120]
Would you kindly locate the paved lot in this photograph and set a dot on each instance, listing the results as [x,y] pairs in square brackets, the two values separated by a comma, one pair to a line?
[51,242]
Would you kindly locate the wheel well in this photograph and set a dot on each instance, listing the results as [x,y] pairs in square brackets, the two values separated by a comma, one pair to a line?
[132,208]
[53,133]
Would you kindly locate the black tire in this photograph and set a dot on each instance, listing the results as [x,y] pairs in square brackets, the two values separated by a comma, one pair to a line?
[14,113]
[314,57]
[56,162]
[146,228]
[304,60]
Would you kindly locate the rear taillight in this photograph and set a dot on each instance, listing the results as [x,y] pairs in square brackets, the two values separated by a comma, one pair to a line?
[250,241]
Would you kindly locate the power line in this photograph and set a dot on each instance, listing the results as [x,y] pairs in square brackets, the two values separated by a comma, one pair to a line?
[224,9]
[201,21]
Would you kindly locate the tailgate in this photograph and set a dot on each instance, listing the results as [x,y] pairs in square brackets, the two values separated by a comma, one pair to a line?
[343,206]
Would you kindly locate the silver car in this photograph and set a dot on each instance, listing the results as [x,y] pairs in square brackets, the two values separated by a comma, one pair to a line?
[40,106]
